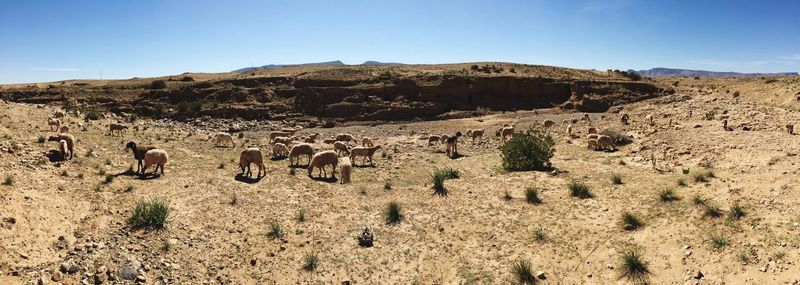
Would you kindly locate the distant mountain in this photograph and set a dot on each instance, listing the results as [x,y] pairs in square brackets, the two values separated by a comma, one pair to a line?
[671,72]
[327,63]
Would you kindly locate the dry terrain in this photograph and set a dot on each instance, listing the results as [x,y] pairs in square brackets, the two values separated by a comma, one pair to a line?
[70,214]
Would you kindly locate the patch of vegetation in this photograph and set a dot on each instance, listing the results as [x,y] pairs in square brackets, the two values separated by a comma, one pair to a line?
[392,213]
[681,182]
[631,222]
[616,179]
[668,195]
[532,196]
[527,151]
[744,257]
[439,176]
[221,165]
[580,190]
[539,234]
[712,211]
[710,115]
[40,139]
[523,272]
[158,84]
[234,200]
[719,241]
[64,173]
[275,231]
[109,178]
[387,185]
[166,245]
[778,255]
[699,201]
[129,188]
[633,267]
[149,214]
[301,215]
[9,180]
[80,176]
[310,262]
[685,171]
[507,196]
[92,115]
[700,177]
[737,211]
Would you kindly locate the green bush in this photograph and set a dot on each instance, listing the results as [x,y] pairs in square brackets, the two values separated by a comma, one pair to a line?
[158,84]
[633,267]
[149,214]
[523,272]
[532,196]
[392,213]
[579,190]
[527,151]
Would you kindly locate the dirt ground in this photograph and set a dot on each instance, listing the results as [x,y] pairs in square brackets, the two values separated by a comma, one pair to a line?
[64,213]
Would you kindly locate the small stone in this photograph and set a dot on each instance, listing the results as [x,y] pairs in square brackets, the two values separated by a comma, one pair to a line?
[540,275]
[610,266]
[128,272]
[698,275]
[763,269]
[589,275]
[253,262]
[57,276]
[688,253]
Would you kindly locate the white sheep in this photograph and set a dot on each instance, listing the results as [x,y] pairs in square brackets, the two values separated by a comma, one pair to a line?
[649,120]
[322,159]
[348,138]
[117,127]
[476,133]
[569,130]
[62,147]
[223,138]
[341,147]
[157,157]
[280,150]
[506,132]
[298,150]
[70,139]
[53,123]
[283,140]
[291,131]
[366,152]
[366,141]
[63,129]
[345,169]
[250,156]
[275,134]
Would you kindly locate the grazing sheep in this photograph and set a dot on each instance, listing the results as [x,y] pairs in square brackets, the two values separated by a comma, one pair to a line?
[283,140]
[345,138]
[624,119]
[223,139]
[53,123]
[506,132]
[548,123]
[138,153]
[157,157]
[790,128]
[592,144]
[298,150]
[322,159]
[117,127]
[592,130]
[452,144]
[314,136]
[63,129]
[275,134]
[345,169]
[476,133]
[433,139]
[280,150]
[309,140]
[70,139]
[250,156]
[366,141]
[649,120]
[366,152]
[329,141]
[62,147]
[341,147]
[291,131]
[606,143]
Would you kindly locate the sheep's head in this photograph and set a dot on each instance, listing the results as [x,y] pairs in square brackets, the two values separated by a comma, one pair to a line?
[130,145]
[458,134]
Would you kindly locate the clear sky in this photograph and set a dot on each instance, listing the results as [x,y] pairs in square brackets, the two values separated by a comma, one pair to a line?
[66,39]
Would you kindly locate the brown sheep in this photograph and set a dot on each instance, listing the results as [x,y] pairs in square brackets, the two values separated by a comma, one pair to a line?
[275,134]
[63,129]
[366,152]
[322,159]
[70,139]
[476,133]
[284,140]
[452,144]
[280,150]
[592,131]
[348,138]
[366,141]
[340,148]
[53,123]
[506,132]
[606,143]
[433,139]
[117,127]
[592,144]
[250,156]
[223,138]
[298,150]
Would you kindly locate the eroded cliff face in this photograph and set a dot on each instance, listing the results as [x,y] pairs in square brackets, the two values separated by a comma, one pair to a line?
[387,99]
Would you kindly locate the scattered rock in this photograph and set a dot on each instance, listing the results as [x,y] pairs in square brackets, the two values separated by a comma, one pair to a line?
[541,275]
[128,273]
[698,275]
[57,276]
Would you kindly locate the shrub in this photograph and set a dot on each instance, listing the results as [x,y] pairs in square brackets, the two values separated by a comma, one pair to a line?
[92,115]
[221,165]
[681,182]
[697,200]
[310,262]
[387,185]
[668,195]
[234,200]
[392,213]
[149,214]
[744,257]
[275,231]
[532,195]
[158,84]
[187,79]
[633,267]
[737,211]
[700,177]
[579,190]
[531,150]
[64,173]
[80,176]
[109,178]
[685,171]
[523,273]
[301,216]
[616,179]
[40,139]
[713,211]
[439,176]
[507,196]
[539,234]
[129,188]
[736,94]
[631,222]
[719,241]
[450,173]
[710,115]
[9,180]
[166,245]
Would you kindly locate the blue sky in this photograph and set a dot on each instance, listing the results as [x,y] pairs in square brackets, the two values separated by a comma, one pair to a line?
[66,39]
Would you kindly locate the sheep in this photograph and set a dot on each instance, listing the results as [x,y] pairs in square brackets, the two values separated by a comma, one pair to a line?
[280,150]
[283,140]
[587,118]
[275,134]
[62,147]
[649,120]
[58,114]
[117,127]
[624,119]
[329,141]
[433,138]
[452,144]
[138,153]
[592,130]
[223,138]
[366,152]
[322,159]
[250,156]
[592,136]
[506,132]
[314,136]
[606,142]
[70,139]
[592,145]
[291,131]
[157,157]
[345,168]
[298,150]
[476,133]
[548,123]
[53,123]
[366,141]
[569,130]
[345,138]
[63,129]
[341,147]
[309,140]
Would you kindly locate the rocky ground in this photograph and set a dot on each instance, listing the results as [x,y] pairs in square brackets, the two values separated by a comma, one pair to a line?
[64,223]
